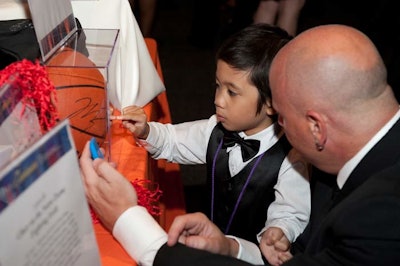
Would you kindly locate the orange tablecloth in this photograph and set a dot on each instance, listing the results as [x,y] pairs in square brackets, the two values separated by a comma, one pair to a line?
[135,163]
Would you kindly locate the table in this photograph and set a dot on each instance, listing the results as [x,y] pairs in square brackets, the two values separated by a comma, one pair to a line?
[135,163]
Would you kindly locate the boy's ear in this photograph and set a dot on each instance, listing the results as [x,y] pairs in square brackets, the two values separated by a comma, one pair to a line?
[270,111]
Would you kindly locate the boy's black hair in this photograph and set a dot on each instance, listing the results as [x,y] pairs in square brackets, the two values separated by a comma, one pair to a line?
[252,49]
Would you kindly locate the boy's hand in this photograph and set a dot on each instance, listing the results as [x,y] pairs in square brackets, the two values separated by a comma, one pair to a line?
[275,246]
[135,120]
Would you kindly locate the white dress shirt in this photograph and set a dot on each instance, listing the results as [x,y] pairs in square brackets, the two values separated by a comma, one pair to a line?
[187,143]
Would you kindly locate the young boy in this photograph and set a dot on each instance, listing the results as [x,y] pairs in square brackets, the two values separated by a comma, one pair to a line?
[260,183]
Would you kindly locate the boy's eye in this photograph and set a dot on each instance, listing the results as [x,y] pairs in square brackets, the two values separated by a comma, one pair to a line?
[232,93]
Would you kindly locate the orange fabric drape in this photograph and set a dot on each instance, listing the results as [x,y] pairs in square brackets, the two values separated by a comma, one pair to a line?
[135,163]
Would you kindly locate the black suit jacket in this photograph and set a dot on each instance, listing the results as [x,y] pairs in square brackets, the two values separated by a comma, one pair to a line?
[360,227]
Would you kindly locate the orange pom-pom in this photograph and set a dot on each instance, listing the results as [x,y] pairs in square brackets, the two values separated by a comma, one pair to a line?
[81,95]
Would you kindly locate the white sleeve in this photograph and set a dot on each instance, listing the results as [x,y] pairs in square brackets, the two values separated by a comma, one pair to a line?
[291,209]
[139,234]
[184,143]
[248,251]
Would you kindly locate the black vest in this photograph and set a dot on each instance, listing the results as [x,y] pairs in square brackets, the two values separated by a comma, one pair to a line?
[251,213]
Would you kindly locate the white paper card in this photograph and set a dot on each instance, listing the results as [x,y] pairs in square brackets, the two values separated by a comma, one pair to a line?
[44,215]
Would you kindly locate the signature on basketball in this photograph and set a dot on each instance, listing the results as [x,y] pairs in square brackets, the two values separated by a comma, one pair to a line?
[89,117]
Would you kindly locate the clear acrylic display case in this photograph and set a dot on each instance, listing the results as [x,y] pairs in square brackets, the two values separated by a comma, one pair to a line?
[83,71]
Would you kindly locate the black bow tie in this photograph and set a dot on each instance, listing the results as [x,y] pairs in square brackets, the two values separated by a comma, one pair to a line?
[249,147]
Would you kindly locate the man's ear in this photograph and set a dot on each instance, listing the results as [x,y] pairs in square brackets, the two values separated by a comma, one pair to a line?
[318,129]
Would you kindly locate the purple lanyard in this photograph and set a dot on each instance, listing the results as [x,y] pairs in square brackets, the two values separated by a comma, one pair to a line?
[241,192]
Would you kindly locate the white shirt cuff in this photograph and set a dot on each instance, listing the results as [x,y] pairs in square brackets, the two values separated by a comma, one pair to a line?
[139,234]
[248,251]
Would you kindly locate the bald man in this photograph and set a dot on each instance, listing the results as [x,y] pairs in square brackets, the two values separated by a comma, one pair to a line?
[329,89]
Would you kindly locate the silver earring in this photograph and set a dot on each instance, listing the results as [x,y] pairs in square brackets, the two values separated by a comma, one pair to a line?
[319,147]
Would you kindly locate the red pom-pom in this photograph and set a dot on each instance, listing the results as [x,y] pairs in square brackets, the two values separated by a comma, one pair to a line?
[37,89]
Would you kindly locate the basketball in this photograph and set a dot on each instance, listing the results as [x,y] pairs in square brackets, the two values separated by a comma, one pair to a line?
[81,96]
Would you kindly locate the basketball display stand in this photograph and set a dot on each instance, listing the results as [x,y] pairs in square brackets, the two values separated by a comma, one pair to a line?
[83,72]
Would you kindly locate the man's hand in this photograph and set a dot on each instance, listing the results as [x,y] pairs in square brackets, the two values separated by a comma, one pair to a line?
[275,246]
[197,231]
[107,191]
